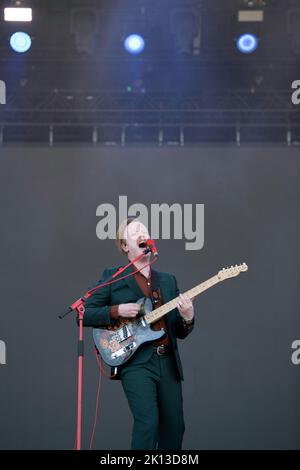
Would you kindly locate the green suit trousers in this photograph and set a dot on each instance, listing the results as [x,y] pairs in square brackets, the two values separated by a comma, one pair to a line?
[154,393]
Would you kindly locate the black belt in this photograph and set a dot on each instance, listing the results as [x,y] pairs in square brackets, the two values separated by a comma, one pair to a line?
[162,349]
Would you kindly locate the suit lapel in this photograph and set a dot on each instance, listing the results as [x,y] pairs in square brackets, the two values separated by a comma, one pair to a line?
[164,288]
[132,284]
[166,296]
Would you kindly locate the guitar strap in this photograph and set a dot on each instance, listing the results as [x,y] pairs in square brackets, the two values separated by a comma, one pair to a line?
[155,286]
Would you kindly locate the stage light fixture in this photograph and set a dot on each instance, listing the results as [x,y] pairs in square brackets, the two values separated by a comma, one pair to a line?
[84,27]
[186,30]
[293,18]
[20,42]
[18,14]
[247,43]
[134,44]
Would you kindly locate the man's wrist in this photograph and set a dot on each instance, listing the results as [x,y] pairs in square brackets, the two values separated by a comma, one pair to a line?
[114,311]
[187,321]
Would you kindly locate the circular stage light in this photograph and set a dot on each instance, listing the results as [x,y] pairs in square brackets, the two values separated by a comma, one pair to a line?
[20,42]
[134,44]
[247,43]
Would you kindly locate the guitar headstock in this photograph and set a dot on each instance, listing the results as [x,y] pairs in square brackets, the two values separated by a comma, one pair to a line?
[233,271]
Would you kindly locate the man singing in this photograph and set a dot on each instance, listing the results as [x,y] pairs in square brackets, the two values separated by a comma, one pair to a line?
[152,377]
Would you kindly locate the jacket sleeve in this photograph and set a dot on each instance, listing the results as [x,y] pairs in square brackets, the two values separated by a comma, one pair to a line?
[98,306]
[182,330]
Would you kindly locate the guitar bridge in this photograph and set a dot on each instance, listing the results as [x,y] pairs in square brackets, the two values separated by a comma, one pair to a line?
[123,351]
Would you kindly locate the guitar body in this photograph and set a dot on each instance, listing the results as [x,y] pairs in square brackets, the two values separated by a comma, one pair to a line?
[117,343]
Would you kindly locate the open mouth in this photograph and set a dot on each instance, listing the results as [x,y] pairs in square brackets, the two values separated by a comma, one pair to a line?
[142,244]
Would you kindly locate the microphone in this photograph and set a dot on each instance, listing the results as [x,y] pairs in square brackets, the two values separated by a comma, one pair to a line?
[151,244]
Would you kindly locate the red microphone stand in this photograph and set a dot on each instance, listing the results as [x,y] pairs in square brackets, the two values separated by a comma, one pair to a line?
[78,305]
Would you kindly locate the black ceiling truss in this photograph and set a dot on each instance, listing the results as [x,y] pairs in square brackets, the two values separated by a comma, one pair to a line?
[121,118]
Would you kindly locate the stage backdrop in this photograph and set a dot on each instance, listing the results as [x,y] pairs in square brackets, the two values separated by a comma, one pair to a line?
[241,388]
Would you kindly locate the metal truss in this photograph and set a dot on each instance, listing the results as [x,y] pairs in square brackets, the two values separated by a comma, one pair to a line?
[97,114]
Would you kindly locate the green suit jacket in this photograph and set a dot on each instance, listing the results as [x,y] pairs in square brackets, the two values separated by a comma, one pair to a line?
[97,313]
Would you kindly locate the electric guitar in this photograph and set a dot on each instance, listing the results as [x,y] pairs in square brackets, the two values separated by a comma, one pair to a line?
[118,342]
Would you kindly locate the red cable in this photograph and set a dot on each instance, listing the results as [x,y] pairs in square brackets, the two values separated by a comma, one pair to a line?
[101,370]
[97,399]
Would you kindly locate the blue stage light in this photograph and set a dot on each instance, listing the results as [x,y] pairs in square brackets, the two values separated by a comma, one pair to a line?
[247,43]
[134,44]
[20,42]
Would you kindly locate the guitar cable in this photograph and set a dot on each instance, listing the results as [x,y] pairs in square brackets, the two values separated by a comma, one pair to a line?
[97,397]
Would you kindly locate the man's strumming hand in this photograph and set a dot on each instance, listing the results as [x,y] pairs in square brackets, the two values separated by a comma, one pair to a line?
[185,307]
[128,310]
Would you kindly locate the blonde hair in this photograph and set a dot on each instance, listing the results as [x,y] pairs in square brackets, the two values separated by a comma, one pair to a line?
[120,240]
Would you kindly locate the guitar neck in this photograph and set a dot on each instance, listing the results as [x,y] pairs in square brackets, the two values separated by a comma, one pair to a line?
[159,312]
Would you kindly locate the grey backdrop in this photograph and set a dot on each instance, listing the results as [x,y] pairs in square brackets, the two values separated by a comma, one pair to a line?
[241,389]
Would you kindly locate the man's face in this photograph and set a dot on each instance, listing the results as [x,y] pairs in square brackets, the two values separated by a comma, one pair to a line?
[135,234]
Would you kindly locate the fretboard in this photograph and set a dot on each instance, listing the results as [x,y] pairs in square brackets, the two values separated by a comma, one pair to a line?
[164,309]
